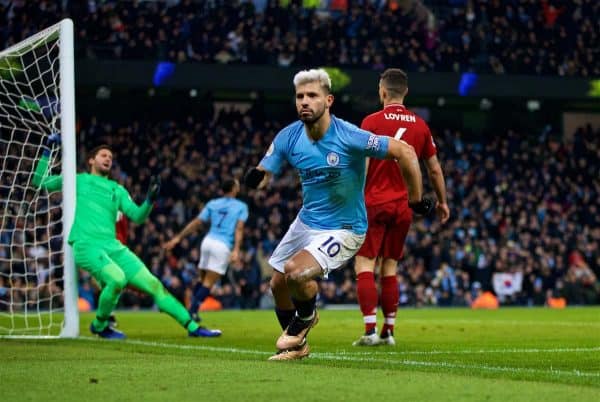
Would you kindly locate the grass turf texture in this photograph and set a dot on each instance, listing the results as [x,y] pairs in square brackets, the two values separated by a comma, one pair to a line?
[450,355]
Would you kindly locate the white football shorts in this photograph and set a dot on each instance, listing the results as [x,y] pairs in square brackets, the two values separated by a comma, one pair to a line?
[331,248]
[214,255]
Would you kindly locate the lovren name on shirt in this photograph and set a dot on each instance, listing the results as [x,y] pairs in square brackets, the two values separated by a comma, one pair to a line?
[400,117]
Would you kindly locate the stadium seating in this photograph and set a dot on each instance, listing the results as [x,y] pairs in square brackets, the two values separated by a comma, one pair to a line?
[553,37]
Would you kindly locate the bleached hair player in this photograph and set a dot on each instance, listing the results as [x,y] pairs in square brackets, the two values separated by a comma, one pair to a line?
[329,155]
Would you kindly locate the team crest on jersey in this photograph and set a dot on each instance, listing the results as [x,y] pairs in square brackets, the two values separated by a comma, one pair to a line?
[270,150]
[333,159]
[373,143]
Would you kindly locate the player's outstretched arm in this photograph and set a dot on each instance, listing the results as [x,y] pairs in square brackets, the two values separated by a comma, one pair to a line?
[41,179]
[139,213]
[257,177]
[436,176]
[409,167]
[237,243]
[191,227]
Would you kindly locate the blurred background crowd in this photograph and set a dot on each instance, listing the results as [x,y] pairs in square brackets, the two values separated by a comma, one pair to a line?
[525,212]
[526,205]
[556,37]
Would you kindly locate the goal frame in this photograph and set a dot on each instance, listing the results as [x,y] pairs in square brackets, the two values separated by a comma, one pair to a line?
[70,324]
[70,327]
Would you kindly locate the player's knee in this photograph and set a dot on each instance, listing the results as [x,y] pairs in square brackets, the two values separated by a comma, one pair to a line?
[291,267]
[157,289]
[277,284]
[117,282]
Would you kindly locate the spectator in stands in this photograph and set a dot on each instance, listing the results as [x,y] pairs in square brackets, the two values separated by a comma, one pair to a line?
[546,37]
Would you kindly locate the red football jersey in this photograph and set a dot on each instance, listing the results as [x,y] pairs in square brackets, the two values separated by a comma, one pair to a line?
[122,227]
[384,180]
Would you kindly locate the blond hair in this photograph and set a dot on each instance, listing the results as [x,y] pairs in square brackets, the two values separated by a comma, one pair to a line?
[314,75]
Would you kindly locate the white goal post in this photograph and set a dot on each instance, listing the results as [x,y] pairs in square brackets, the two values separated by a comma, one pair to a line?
[38,280]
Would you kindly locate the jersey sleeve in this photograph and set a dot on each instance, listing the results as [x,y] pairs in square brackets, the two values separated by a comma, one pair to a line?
[41,179]
[137,213]
[369,144]
[275,156]
[243,213]
[204,215]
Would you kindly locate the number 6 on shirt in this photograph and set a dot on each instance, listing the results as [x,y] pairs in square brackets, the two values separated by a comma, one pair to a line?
[400,133]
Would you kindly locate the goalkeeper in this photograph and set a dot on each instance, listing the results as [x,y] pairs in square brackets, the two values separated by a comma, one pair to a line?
[96,248]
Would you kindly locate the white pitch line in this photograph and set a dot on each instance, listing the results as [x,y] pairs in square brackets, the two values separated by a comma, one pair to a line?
[558,373]
[179,346]
[435,322]
[475,351]
[356,358]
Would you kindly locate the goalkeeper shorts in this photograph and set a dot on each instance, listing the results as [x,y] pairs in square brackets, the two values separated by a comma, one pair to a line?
[93,258]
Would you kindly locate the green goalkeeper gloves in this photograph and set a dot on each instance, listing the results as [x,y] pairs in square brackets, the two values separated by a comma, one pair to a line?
[153,188]
[52,140]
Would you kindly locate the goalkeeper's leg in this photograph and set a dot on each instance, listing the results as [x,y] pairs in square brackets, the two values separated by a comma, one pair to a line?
[148,283]
[113,281]
[108,274]
[141,278]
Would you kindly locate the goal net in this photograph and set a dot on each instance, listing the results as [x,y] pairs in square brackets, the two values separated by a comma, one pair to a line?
[38,293]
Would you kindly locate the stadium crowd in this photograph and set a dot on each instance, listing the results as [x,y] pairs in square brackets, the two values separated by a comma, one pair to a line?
[554,37]
[522,203]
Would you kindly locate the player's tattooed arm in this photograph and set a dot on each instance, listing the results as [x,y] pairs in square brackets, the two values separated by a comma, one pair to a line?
[409,167]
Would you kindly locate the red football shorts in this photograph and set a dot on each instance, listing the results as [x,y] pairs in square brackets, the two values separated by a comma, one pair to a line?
[388,226]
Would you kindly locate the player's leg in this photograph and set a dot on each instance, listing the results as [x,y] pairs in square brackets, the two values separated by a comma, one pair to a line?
[326,251]
[285,311]
[294,240]
[364,267]
[296,307]
[141,278]
[389,299]
[112,281]
[366,290]
[284,308]
[202,290]
[392,250]
[214,260]
[300,272]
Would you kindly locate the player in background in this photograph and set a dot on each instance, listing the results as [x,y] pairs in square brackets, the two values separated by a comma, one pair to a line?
[95,246]
[122,231]
[329,154]
[122,228]
[227,216]
[387,203]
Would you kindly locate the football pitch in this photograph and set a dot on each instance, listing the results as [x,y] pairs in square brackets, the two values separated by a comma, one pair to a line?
[509,354]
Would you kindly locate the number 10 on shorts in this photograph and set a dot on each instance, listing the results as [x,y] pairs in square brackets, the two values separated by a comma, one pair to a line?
[330,247]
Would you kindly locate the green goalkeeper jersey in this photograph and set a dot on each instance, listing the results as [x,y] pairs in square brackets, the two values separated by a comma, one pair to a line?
[97,202]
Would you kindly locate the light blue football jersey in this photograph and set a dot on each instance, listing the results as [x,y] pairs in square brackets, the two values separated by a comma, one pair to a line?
[223,214]
[332,171]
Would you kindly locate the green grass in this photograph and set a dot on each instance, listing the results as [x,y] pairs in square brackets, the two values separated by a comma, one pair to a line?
[441,355]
